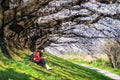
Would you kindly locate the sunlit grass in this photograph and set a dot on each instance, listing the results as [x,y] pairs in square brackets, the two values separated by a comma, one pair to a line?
[62,70]
[104,64]
[99,63]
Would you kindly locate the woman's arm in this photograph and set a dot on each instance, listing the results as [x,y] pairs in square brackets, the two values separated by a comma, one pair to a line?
[43,57]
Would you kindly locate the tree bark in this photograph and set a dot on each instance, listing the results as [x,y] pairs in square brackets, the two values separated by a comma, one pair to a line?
[4,5]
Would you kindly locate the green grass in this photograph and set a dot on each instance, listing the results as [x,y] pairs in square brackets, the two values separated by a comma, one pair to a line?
[23,69]
[99,63]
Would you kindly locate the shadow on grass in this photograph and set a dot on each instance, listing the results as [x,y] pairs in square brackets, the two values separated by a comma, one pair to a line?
[71,70]
[67,70]
[42,71]
[10,74]
[77,70]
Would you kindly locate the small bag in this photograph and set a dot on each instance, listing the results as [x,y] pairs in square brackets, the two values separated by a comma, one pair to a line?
[31,57]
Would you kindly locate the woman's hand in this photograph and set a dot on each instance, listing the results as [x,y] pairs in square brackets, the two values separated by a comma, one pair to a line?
[44,57]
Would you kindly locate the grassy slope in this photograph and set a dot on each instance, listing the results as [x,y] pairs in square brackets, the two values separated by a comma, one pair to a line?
[99,63]
[102,62]
[23,69]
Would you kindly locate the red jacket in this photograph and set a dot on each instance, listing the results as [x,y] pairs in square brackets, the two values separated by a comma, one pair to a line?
[37,56]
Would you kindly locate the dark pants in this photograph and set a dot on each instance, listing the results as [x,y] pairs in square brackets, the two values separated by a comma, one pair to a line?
[42,63]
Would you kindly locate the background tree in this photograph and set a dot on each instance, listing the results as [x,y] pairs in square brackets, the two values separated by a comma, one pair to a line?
[112,49]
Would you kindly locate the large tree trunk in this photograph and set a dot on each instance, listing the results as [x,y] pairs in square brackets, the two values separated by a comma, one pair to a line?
[4,5]
[2,26]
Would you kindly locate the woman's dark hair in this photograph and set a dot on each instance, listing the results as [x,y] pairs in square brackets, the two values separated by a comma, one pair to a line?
[41,48]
